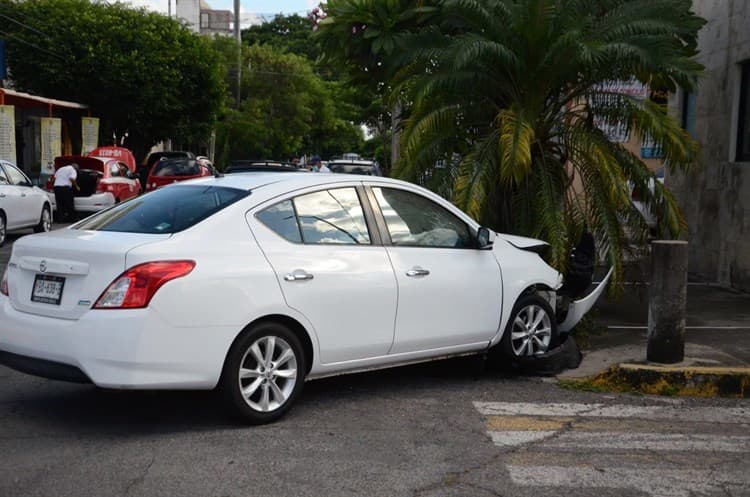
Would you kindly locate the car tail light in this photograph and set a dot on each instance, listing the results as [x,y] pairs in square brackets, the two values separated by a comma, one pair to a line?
[4,284]
[135,288]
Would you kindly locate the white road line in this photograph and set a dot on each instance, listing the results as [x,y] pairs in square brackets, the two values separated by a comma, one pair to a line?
[734,415]
[644,327]
[517,438]
[654,482]
[625,441]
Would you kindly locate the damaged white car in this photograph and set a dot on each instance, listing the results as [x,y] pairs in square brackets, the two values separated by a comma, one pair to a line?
[256,283]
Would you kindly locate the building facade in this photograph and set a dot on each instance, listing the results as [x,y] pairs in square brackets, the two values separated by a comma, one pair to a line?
[715,197]
[203,19]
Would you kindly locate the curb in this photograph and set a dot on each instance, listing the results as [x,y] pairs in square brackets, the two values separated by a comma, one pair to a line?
[693,381]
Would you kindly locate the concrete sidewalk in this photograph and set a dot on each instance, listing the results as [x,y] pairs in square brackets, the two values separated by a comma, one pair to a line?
[717,341]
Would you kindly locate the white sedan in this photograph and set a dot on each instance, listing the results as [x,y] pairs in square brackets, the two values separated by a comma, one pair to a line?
[22,205]
[256,282]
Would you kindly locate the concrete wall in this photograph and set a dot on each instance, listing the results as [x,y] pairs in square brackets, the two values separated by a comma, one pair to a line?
[189,11]
[715,198]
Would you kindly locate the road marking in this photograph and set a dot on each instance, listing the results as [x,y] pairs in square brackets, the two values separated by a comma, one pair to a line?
[678,413]
[625,441]
[656,483]
[622,447]
[644,327]
[518,438]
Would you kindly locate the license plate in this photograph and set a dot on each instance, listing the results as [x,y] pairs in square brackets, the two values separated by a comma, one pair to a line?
[47,289]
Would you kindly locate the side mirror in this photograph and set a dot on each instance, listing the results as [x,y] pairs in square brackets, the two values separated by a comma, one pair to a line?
[484,238]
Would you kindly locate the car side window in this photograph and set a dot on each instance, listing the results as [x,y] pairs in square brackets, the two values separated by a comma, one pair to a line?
[414,220]
[325,217]
[282,220]
[114,169]
[3,177]
[16,177]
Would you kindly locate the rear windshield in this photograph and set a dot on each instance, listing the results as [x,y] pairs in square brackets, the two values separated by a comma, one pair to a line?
[176,168]
[168,210]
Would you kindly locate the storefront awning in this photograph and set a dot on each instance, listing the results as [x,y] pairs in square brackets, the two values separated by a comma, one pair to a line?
[27,100]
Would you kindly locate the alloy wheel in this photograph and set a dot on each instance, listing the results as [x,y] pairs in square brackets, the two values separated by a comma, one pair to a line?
[46,220]
[2,230]
[532,331]
[268,373]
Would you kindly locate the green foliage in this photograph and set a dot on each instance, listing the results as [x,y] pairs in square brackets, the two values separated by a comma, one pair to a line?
[291,34]
[139,71]
[513,87]
[286,109]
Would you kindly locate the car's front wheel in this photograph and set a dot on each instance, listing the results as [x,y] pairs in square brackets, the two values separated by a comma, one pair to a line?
[45,220]
[531,330]
[263,373]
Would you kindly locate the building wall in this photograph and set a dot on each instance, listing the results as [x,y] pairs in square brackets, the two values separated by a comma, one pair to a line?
[715,198]
[189,11]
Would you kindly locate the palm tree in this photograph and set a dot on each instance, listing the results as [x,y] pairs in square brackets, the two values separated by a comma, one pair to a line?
[518,89]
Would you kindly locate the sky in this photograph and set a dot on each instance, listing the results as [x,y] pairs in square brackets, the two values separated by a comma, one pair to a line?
[250,9]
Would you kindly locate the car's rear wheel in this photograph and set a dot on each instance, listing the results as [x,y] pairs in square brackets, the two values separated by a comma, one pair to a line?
[531,330]
[45,220]
[263,373]
[3,230]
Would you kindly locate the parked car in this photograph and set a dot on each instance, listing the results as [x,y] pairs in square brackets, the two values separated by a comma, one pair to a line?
[254,166]
[22,205]
[103,180]
[168,171]
[364,167]
[145,167]
[258,282]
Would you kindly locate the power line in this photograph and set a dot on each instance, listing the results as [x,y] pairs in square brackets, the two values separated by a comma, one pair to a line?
[23,25]
[21,40]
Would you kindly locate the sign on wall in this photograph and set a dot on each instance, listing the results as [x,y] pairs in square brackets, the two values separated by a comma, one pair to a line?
[618,131]
[51,143]
[90,134]
[8,133]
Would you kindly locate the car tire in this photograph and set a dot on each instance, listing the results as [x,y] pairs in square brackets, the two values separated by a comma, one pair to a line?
[45,220]
[3,229]
[263,373]
[531,330]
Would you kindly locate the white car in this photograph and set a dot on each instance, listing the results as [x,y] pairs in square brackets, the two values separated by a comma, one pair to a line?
[257,282]
[22,205]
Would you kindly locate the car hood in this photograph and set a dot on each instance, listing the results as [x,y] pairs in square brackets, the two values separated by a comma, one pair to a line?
[522,242]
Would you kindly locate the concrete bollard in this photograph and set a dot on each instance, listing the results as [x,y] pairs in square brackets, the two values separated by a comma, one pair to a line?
[667,297]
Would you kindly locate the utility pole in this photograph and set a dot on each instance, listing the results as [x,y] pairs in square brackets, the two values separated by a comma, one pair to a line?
[238,37]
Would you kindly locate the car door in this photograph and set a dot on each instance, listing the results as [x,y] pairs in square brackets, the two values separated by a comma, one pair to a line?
[21,204]
[332,269]
[449,291]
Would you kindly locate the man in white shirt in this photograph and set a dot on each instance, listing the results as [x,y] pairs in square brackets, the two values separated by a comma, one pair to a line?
[65,181]
[318,166]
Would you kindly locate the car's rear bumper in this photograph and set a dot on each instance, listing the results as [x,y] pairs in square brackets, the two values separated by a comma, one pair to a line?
[92,203]
[131,349]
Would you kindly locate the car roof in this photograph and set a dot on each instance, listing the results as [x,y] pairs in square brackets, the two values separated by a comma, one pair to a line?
[289,182]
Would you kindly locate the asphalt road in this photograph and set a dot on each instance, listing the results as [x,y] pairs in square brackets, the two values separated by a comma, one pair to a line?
[449,428]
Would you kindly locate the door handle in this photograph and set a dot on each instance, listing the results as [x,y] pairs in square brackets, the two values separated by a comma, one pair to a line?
[298,275]
[417,271]
[23,194]
[2,195]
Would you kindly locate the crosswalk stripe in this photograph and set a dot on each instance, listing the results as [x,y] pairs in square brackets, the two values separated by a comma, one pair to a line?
[625,441]
[732,415]
[656,483]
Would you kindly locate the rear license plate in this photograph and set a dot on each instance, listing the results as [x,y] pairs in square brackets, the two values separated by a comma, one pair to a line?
[47,289]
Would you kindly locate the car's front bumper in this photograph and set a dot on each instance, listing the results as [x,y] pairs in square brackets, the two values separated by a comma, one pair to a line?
[134,348]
